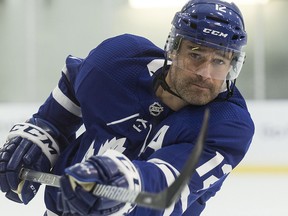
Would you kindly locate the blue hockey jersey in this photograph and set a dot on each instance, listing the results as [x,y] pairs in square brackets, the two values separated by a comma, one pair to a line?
[111,93]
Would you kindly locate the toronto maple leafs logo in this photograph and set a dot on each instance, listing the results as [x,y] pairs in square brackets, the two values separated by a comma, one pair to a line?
[116,144]
[90,152]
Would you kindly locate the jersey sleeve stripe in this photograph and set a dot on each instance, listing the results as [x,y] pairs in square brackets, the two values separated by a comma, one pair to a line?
[159,161]
[65,71]
[184,198]
[50,213]
[186,191]
[170,178]
[65,102]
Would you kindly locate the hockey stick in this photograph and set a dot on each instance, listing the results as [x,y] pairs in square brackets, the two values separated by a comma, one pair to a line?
[159,200]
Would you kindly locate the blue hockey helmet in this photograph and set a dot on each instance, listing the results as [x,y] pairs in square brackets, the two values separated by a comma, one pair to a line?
[213,23]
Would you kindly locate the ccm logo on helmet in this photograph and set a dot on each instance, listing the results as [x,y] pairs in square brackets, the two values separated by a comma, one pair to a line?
[213,32]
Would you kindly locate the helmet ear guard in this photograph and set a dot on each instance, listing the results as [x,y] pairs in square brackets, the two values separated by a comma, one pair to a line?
[177,42]
[236,66]
[173,44]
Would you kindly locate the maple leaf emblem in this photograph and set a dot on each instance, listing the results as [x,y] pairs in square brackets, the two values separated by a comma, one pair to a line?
[116,144]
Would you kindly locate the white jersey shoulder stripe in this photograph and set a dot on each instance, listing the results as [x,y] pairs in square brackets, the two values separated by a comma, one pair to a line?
[65,102]
[65,71]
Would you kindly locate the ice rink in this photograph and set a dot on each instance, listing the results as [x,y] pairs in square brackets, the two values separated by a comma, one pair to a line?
[251,195]
[258,187]
[243,194]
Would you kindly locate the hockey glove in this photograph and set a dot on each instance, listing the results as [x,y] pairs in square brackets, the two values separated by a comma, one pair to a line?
[32,145]
[112,168]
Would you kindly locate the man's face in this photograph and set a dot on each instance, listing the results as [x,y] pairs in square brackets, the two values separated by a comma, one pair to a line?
[198,72]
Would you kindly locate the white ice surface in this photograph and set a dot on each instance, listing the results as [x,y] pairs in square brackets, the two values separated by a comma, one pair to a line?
[241,195]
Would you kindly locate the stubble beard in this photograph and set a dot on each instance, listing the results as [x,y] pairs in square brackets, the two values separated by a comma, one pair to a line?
[195,90]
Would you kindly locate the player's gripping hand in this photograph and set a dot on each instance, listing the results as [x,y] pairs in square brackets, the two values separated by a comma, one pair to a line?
[32,145]
[112,168]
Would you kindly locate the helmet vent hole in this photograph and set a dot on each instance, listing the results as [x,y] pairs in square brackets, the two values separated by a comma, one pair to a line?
[193,25]
[186,21]
[235,37]
[217,19]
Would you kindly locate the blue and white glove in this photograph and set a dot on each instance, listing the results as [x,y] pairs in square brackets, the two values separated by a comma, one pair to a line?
[32,145]
[112,168]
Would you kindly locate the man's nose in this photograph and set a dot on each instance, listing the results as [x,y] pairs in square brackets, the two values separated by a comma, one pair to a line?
[204,70]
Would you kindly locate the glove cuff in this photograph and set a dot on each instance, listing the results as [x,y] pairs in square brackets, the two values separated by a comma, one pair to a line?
[128,169]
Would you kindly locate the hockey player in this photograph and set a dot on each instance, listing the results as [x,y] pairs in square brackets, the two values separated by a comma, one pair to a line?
[142,109]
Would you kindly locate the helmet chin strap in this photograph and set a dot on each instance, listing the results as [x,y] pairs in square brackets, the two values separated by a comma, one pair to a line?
[230,88]
[159,80]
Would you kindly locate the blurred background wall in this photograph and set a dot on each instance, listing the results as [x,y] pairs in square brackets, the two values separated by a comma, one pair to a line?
[37,35]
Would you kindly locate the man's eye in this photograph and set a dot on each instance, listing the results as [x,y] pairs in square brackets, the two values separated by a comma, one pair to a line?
[195,56]
[219,61]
